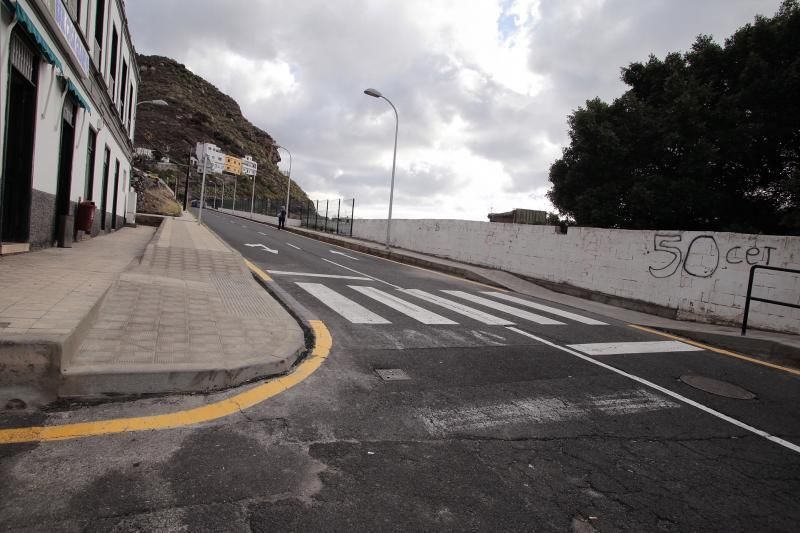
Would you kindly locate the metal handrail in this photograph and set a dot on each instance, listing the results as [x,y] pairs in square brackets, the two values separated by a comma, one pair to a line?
[765,300]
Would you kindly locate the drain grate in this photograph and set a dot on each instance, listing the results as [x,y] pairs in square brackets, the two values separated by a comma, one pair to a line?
[392,374]
[717,387]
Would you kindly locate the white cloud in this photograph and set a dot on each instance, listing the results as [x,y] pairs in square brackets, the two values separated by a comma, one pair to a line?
[483,88]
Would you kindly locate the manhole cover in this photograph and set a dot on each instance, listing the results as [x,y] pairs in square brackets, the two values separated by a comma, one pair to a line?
[720,388]
[391,374]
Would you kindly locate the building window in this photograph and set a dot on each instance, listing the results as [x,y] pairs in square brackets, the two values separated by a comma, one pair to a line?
[122,86]
[99,22]
[130,110]
[113,66]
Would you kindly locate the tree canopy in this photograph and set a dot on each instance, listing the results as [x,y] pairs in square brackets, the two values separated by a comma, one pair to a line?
[704,140]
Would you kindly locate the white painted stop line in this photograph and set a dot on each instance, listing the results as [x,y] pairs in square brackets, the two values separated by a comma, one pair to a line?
[618,348]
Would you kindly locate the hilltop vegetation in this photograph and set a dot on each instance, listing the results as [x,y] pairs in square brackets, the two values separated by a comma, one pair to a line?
[705,140]
[199,112]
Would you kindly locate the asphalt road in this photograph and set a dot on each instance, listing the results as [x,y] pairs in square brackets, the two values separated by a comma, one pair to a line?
[516,415]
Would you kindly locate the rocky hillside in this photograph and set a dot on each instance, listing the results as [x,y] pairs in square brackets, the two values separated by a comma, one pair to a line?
[199,112]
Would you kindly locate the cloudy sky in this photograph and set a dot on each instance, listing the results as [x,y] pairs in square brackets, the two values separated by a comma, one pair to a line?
[483,87]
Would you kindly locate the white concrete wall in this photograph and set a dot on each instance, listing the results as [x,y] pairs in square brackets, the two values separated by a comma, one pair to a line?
[703,275]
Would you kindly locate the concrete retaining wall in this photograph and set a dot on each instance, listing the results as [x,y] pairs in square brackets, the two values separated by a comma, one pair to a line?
[700,275]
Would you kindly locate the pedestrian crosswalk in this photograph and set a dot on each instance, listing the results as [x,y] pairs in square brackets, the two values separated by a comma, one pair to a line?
[450,307]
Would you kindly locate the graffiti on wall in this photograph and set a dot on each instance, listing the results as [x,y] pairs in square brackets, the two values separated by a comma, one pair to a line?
[702,256]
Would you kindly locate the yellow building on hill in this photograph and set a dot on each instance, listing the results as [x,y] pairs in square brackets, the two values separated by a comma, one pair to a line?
[233,165]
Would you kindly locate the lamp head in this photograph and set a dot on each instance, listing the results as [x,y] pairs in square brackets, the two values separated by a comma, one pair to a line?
[375,93]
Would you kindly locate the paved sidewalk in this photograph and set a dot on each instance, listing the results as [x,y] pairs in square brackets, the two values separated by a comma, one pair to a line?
[47,299]
[190,317]
[779,348]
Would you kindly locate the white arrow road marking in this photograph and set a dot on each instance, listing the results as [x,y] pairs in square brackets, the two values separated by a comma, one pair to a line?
[340,253]
[293,246]
[270,250]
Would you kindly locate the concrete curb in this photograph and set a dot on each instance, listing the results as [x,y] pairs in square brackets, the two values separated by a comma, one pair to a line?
[769,351]
[132,382]
[39,364]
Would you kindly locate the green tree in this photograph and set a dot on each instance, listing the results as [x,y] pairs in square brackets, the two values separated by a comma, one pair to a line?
[708,139]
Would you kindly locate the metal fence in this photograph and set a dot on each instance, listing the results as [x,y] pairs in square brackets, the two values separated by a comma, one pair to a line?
[333,216]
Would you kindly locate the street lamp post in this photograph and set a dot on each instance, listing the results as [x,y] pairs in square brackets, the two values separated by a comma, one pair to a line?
[377,94]
[289,178]
[202,190]
[253,198]
[154,102]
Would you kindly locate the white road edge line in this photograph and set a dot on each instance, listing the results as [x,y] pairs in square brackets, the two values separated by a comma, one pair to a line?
[777,440]
[343,254]
[293,246]
[362,274]
[309,275]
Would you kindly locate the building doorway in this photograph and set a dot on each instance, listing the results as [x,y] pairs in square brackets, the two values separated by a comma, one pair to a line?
[116,190]
[65,157]
[104,191]
[20,134]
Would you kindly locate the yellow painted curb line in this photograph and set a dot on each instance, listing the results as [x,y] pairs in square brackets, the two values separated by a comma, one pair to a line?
[258,272]
[718,350]
[220,409]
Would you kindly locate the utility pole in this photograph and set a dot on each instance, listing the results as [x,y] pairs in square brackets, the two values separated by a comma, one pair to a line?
[235,181]
[186,187]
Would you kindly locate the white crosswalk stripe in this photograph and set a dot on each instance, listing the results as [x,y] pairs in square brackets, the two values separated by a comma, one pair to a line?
[459,308]
[519,313]
[347,308]
[618,348]
[546,308]
[407,308]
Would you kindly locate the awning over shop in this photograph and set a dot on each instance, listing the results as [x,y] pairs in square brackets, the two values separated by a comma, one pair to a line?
[74,91]
[27,23]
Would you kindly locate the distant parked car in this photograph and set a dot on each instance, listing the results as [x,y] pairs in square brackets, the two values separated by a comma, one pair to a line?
[195,203]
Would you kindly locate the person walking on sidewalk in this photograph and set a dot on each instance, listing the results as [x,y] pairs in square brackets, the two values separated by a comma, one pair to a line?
[282,218]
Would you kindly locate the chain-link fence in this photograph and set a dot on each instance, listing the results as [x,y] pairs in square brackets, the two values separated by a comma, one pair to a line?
[334,216]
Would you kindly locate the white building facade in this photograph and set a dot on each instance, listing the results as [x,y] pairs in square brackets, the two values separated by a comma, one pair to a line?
[214,158]
[249,166]
[67,115]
